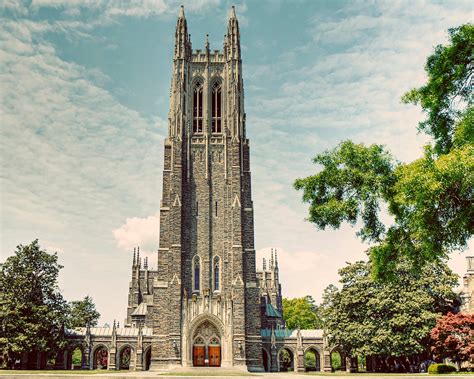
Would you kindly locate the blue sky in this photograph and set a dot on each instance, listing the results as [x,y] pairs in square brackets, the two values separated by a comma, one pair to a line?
[84,101]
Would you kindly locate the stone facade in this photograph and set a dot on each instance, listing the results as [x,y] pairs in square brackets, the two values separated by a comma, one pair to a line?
[206,258]
[205,304]
[467,293]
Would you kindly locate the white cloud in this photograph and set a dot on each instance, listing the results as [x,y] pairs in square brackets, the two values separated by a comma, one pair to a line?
[136,231]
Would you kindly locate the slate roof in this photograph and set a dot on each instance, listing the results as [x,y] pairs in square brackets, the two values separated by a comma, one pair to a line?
[107,331]
[288,333]
[270,311]
[141,310]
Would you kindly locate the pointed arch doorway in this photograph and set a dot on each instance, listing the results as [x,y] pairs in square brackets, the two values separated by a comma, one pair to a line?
[206,346]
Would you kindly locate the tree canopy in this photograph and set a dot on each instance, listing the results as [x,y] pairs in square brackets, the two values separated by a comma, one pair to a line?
[301,312]
[453,337]
[83,313]
[372,317]
[33,312]
[430,199]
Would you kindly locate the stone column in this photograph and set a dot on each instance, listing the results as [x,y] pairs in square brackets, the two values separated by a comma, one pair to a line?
[299,366]
[274,360]
[327,361]
[86,358]
[299,361]
[112,359]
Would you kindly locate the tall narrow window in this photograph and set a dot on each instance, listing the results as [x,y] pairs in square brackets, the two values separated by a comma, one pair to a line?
[216,273]
[216,109]
[197,274]
[197,108]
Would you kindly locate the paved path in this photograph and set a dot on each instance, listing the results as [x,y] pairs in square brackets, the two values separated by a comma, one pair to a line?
[214,375]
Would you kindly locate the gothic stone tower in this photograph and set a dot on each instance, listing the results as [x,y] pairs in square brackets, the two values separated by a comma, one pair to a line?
[206,306]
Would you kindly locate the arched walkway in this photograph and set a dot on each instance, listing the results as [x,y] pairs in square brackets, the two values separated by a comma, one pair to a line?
[266,360]
[286,361]
[338,360]
[312,360]
[147,359]
[206,345]
[74,358]
[125,357]
[100,358]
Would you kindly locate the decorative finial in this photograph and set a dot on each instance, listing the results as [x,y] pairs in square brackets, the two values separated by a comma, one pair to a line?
[181,12]
[114,326]
[146,263]
[271,259]
[134,256]
[276,259]
[139,262]
[207,42]
[232,12]
[264,264]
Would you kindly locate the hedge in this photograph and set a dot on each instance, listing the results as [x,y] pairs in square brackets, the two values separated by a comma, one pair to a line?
[440,368]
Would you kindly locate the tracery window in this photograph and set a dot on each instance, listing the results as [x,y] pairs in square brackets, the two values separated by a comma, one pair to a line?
[197,273]
[216,274]
[216,108]
[197,108]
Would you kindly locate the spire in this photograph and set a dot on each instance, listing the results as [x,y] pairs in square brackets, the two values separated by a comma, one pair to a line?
[232,12]
[233,35]
[264,264]
[146,263]
[138,257]
[181,46]
[271,259]
[134,256]
[276,259]
[206,45]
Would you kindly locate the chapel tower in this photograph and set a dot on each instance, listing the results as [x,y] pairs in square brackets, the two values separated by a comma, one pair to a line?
[206,305]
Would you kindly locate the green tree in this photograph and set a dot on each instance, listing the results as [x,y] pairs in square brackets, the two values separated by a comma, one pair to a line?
[32,310]
[83,313]
[393,318]
[430,199]
[301,312]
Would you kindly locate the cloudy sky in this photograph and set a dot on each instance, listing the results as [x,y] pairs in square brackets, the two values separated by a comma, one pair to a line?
[84,91]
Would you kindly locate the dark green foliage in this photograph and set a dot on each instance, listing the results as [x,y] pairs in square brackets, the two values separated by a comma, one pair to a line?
[301,312]
[450,72]
[354,180]
[336,361]
[83,313]
[431,199]
[440,368]
[394,318]
[32,310]
[77,357]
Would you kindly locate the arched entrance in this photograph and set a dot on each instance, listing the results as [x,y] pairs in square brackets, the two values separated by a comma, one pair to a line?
[285,360]
[312,360]
[74,358]
[206,346]
[125,357]
[266,360]
[338,360]
[146,365]
[101,358]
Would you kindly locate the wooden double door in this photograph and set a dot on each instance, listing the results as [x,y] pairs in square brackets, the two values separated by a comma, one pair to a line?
[211,359]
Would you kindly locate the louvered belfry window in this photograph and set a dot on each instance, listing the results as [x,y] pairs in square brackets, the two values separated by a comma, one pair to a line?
[197,108]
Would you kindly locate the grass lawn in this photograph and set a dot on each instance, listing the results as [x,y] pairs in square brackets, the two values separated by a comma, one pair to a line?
[71,372]
[377,374]
[206,373]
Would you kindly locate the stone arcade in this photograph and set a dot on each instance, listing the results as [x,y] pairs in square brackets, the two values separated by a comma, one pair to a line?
[205,304]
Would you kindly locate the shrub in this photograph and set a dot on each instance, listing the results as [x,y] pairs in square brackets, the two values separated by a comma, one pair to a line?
[441,368]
